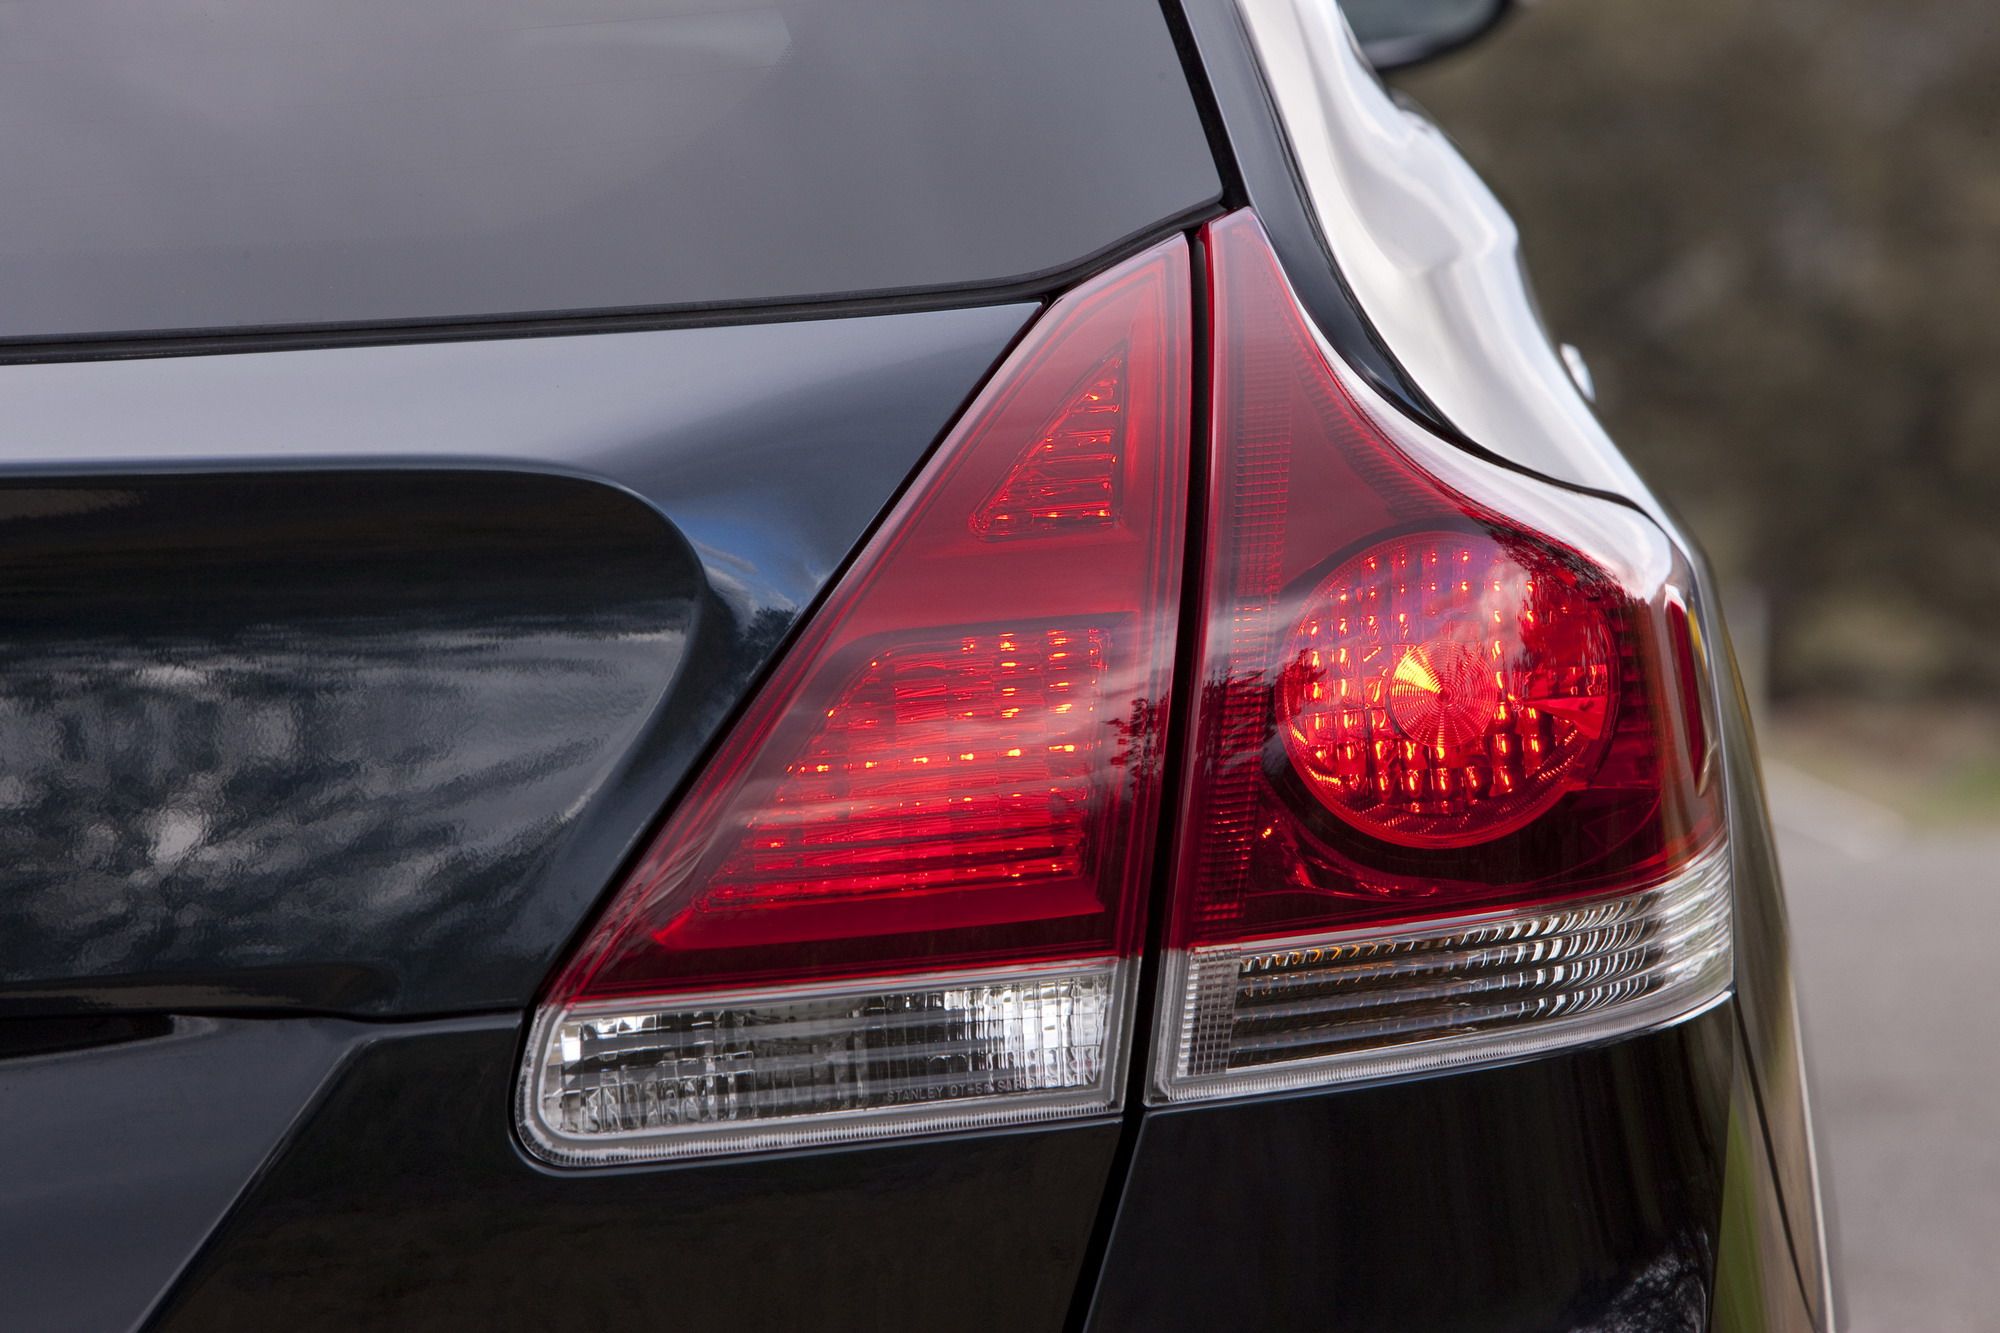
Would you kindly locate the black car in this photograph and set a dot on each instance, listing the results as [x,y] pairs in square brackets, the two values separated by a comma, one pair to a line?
[844,664]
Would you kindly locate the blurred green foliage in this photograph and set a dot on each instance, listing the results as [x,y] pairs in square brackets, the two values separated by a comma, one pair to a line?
[1774,230]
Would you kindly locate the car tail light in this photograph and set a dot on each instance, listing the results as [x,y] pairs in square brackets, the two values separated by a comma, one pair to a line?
[1446,796]
[907,892]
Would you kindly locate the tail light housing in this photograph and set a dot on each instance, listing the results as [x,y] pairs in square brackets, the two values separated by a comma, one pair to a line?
[1446,800]
[906,894]
[1444,796]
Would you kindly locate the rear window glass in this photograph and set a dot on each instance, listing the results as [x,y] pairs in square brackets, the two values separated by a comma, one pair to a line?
[199,164]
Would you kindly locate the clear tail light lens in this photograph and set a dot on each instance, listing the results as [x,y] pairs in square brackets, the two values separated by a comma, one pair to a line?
[737,1071]
[1445,800]
[907,892]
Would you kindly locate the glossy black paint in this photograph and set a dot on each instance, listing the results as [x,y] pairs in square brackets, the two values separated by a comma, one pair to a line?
[1616,1188]
[345,680]
[403,1202]
[1561,1193]
[1772,1038]
[119,1160]
[302,738]
[1757,1287]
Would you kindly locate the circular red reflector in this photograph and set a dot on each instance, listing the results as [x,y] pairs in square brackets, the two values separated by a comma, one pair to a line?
[1444,688]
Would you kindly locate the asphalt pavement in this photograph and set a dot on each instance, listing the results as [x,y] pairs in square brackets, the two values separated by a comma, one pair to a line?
[1896,934]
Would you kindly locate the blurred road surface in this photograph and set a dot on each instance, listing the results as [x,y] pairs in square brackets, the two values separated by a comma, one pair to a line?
[1896,933]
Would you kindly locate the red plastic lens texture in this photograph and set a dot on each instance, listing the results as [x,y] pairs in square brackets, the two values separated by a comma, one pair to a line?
[958,763]
[1690,662]
[952,780]
[1440,690]
[1069,478]
[1413,704]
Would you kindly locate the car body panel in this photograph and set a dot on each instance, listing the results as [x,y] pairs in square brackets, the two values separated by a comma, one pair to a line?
[121,1159]
[344,680]
[1432,258]
[405,1200]
[1548,1195]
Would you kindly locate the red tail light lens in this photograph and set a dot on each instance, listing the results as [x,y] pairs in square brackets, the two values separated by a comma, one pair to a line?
[1441,799]
[1071,477]
[1440,690]
[952,783]
[905,892]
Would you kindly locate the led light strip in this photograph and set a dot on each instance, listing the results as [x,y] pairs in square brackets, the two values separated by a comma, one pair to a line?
[739,1071]
[1363,1004]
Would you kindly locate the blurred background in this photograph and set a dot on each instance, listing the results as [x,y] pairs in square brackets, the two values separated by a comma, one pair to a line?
[1771,228]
